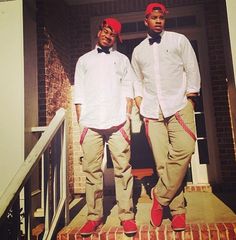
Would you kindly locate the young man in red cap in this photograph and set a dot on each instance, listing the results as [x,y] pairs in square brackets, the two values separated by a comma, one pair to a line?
[168,81]
[103,99]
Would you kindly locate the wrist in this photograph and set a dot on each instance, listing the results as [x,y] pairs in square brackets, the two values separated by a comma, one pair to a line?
[128,115]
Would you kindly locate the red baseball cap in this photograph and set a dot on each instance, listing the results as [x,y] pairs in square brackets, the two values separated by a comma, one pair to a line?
[153,6]
[114,24]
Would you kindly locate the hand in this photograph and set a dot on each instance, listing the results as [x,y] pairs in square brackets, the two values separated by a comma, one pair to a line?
[129,105]
[138,101]
[128,115]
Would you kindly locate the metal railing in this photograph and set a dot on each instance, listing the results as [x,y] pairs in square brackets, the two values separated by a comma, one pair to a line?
[50,151]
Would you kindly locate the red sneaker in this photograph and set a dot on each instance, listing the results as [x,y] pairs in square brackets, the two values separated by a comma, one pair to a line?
[129,226]
[89,227]
[178,222]
[156,211]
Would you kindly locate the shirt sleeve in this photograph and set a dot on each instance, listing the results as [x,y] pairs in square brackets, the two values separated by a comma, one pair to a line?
[78,84]
[127,82]
[190,66]
[138,85]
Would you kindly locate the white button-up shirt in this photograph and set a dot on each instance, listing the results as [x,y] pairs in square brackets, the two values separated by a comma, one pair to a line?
[166,73]
[102,83]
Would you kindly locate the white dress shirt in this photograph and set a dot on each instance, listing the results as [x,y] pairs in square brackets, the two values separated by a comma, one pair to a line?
[166,73]
[102,83]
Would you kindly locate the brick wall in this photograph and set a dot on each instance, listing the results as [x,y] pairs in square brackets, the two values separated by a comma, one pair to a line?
[220,93]
[54,70]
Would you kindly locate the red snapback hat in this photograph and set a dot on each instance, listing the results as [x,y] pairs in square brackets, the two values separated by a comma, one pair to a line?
[153,6]
[114,24]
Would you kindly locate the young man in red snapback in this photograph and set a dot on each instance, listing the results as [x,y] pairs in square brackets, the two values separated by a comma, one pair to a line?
[103,99]
[168,81]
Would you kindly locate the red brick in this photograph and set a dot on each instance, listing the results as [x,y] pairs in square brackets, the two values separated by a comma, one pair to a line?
[196,235]
[229,226]
[138,236]
[119,233]
[221,227]
[95,236]
[230,230]
[64,234]
[205,235]
[204,227]
[74,233]
[222,230]
[142,233]
[112,233]
[160,235]
[187,235]
[170,235]
[214,234]
[195,228]
[152,234]
[204,231]
[214,231]
[232,235]
[179,235]
[103,234]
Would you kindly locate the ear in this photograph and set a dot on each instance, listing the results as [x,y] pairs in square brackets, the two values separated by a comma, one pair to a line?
[145,22]
[99,32]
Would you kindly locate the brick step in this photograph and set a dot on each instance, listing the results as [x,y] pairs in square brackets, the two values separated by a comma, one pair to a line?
[214,231]
[208,217]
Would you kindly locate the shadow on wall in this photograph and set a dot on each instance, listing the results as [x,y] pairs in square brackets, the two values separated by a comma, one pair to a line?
[228,198]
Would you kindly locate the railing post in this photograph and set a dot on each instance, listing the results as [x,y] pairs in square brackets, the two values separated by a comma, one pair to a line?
[65,173]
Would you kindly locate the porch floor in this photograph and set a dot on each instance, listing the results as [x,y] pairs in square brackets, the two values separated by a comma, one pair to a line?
[208,217]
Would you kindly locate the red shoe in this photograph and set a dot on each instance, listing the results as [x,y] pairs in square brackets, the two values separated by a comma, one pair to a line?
[129,226]
[178,222]
[89,227]
[156,211]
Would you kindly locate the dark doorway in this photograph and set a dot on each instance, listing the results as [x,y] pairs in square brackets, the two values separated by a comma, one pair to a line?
[127,46]
[141,154]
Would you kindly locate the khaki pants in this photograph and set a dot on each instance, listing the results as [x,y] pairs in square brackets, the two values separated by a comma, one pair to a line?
[118,140]
[172,141]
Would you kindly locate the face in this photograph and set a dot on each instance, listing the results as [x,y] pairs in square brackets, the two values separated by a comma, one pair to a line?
[155,21]
[106,37]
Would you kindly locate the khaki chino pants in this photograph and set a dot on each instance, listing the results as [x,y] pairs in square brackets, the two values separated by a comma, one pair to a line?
[172,141]
[92,142]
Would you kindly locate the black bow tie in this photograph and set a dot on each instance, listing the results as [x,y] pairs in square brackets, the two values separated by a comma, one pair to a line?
[104,50]
[156,39]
